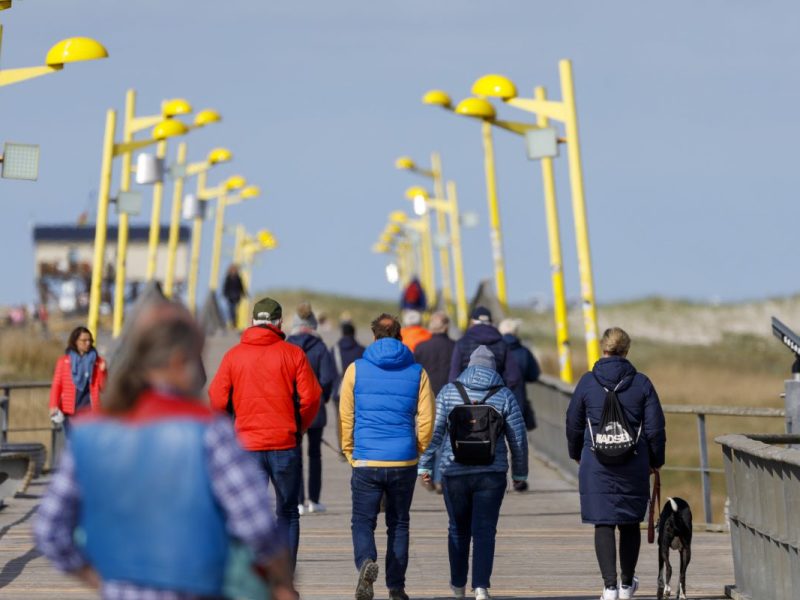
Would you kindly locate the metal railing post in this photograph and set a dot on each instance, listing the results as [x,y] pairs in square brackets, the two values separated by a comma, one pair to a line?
[5,401]
[705,475]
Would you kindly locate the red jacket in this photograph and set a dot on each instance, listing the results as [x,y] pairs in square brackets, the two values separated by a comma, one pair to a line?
[267,379]
[62,390]
[413,335]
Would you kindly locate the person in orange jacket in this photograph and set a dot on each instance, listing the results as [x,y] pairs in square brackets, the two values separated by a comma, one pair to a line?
[263,380]
[413,332]
[79,377]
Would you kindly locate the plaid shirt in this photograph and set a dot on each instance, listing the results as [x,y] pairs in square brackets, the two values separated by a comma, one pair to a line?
[236,481]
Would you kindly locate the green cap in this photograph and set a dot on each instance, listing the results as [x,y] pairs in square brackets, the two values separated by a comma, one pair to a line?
[266,310]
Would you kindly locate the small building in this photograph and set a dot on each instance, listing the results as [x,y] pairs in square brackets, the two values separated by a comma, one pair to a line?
[64,255]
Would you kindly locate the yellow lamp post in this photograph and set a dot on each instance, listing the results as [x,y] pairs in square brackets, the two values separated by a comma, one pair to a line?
[435,173]
[419,243]
[111,150]
[200,169]
[70,50]
[448,205]
[565,112]
[482,109]
[247,247]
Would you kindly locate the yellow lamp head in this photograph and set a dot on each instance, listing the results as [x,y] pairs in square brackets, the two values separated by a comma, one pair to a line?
[494,86]
[175,107]
[437,98]
[415,192]
[75,49]
[380,248]
[267,240]
[4,4]
[398,216]
[405,163]
[251,191]
[235,182]
[478,108]
[219,155]
[206,117]
[386,238]
[393,229]
[169,128]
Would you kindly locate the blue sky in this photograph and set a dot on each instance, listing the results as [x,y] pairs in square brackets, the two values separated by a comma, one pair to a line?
[688,116]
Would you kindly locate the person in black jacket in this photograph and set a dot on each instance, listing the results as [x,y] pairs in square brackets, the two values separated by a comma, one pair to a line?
[528,366]
[616,496]
[233,290]
[482,333]
[343,353]
[304,334]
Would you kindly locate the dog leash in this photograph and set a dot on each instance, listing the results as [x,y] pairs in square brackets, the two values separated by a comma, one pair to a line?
[655,503]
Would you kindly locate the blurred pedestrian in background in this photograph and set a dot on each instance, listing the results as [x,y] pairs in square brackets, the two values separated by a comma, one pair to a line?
[528,367]
[233,290]
[79,377]
[304,335]
[412,331]
[344,353]
[151,494]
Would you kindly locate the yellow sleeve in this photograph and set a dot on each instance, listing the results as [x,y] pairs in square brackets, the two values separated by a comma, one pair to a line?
[426,413]
[347,408]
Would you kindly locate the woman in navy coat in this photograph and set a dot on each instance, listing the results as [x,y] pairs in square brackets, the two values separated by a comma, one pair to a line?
[616,496]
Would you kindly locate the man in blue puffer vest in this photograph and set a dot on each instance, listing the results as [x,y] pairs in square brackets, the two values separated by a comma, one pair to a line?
[386,411]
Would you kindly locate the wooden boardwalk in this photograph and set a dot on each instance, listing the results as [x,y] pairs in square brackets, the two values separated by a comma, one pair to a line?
[543,551]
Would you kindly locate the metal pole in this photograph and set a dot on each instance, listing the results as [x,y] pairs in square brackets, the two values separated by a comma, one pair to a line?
[219,224]
[197,237]
[792,404]
[704,466]
[441,229]
[556,263]
[174,223]
[5,403]
[429,269]
[579,210]
[101,225]
[458,259]
[494,215]
[155,218]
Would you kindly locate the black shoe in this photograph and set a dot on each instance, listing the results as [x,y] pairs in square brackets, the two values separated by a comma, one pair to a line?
[366,577]
[520,486]
[398,594]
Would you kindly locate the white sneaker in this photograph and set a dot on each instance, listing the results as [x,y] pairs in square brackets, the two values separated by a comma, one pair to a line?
[316,507]
[301,508]
[610,593]
[459,592]
[482,594]
[626,592]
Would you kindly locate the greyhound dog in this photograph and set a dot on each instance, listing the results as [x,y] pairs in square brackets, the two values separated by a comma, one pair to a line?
[674,531]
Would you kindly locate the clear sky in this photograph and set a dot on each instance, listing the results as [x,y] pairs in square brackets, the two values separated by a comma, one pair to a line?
[688,113]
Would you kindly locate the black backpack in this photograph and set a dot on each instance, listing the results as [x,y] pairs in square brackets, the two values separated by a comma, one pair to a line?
[474,429]
[614,442]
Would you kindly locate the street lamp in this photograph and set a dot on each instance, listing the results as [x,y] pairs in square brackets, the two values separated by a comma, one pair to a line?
[245,250]
[483,110]
[566,112]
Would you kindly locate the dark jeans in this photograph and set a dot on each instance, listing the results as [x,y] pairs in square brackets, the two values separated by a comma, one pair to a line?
[314,437]
[630,540]
[232,309]
[473,505]
[368,485]
[282,468]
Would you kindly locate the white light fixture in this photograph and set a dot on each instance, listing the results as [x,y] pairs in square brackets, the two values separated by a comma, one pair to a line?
[392,273]
[20,161]
[149,169]
[420,205]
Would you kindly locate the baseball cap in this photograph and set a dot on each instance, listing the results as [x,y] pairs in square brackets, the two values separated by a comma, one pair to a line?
[266,310]
[482,314]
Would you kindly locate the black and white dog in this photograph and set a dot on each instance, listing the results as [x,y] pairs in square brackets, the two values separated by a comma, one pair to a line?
[674,531]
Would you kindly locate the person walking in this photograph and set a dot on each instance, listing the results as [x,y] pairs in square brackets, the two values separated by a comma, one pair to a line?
[473,493]
[386,415]
[304,335]
[412,331]
[79,377]
[233,290]
[435,355]
[482,332]
[528,367]
[615,496]
[274,396]
[344,353]
[153,495]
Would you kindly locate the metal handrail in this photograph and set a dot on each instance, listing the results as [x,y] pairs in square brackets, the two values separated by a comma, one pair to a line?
[5,406]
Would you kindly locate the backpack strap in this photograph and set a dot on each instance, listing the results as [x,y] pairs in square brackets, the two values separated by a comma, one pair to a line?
[465,397]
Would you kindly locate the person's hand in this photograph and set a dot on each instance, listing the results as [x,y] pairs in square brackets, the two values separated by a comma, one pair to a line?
[578,460]
[426,478]
[654,470]
[53,411]
[88,576]
[283,592]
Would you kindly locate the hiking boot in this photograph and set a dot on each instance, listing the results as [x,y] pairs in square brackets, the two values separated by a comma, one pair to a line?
[398,594]
[482,594]
[610,593]
[459,592]
[626,592]
[366,577]
[316,507]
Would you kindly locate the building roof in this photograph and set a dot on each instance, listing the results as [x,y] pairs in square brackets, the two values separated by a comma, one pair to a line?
[74,233]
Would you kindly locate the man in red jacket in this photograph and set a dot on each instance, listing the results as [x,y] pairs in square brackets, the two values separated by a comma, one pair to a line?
[274,395]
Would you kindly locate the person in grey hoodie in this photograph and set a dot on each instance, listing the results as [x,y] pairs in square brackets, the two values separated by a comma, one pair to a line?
[473,494]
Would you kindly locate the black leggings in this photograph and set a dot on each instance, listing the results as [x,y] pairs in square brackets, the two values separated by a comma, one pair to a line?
[630,539]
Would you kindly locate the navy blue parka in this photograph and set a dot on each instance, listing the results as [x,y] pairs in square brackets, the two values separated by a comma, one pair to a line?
[615,494]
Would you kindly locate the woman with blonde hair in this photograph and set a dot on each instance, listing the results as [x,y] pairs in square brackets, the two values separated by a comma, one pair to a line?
[614,492]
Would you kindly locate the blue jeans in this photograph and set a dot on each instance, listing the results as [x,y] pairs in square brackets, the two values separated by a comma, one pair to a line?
[368,485]
[282,468]
[473,505]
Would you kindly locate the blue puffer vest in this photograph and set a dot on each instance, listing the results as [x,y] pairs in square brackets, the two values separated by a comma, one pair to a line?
[386,398]
[145,489]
